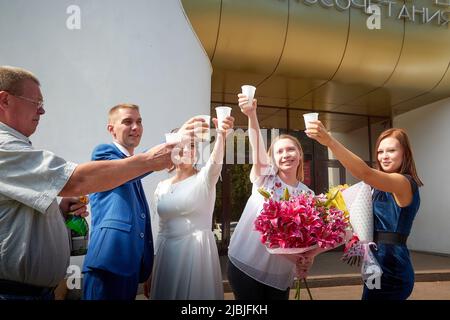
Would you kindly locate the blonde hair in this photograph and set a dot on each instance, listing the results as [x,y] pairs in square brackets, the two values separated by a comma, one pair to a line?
[116,108]
[12,78]
[300,173]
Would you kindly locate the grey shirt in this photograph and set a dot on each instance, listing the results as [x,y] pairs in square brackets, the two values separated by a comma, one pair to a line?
[34,243]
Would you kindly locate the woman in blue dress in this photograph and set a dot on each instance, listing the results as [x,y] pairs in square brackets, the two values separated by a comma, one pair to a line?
[395,200]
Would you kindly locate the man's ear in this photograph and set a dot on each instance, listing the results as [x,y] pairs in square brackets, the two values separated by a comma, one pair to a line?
[110,129]
[4,101]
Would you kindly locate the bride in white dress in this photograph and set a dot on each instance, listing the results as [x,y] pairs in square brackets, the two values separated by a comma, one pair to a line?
[186,265]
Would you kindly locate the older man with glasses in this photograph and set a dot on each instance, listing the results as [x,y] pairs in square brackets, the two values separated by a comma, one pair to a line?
[34,243]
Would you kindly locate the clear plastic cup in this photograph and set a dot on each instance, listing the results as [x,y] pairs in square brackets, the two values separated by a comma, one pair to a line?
[173,137]
[308,117]
[222,112]
[203,136]
[249,91]
[205,117]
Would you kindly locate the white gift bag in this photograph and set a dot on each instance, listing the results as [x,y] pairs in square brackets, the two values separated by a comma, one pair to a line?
[358,199]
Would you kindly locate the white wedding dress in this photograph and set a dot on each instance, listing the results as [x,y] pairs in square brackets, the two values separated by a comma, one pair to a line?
[187,264]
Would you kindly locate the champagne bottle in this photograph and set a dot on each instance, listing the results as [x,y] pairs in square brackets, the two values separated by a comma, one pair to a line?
[76,223]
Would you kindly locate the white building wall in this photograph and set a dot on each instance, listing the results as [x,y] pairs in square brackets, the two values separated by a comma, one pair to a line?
[429,132]
[141,51]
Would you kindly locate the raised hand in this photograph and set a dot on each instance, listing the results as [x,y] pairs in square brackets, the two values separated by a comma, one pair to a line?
[161,156]
[194,125]
[318,132]
[227,126]
[246,108]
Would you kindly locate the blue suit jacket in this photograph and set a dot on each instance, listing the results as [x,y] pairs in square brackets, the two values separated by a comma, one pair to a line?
[120,238]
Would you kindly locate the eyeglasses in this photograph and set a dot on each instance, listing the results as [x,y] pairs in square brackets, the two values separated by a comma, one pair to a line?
[38,104]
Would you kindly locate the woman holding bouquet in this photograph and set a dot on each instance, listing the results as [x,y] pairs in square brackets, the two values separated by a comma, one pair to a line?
[253,272]
[187,264]
[395,200]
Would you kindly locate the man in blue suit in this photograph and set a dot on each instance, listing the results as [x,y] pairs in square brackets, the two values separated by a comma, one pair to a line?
[120,252]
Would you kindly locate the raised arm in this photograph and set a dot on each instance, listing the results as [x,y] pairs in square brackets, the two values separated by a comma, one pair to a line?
[219,146]
[261,160]
[389,182]
[214,164]
[98,176]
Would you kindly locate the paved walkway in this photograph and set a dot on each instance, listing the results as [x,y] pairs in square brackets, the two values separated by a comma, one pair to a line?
[332,279]
[422,291]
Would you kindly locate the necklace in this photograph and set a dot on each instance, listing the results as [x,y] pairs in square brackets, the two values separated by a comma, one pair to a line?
[173,186]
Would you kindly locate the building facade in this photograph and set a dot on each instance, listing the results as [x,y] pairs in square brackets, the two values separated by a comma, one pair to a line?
[363,66]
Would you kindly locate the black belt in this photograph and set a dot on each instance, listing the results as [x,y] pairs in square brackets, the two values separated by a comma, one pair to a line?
[390,238]
[22,289]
